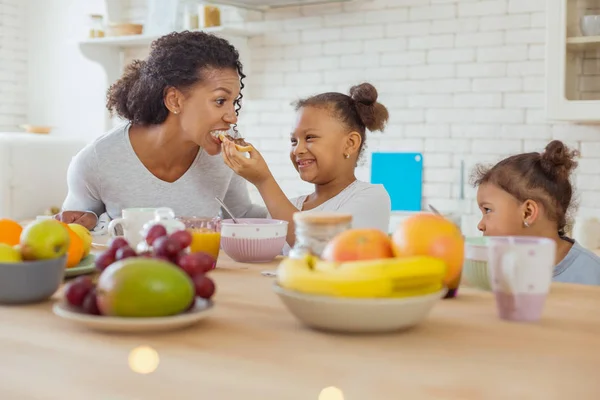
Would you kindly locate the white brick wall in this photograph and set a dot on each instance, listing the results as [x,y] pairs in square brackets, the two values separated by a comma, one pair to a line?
[13,64]
[463,79]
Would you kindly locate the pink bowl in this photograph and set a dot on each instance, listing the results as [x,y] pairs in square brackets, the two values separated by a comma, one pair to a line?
[253,240]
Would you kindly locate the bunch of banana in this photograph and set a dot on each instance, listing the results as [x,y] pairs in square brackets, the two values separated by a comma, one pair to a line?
[388,277]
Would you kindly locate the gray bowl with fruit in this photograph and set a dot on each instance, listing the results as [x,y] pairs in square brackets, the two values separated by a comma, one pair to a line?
[30,281]
[33,270]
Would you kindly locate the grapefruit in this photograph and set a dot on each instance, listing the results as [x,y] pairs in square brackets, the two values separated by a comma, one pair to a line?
[432,235]
[358,244]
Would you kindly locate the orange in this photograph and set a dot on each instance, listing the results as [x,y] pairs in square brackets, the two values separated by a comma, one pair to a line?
[10,232]
[75,252]
[358,244]
[431,235]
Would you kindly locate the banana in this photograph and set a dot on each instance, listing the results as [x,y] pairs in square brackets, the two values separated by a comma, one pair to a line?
[396,277]
[405,267]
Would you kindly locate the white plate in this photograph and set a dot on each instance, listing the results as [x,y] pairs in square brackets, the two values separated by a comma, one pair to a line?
[100,241]
[202,310]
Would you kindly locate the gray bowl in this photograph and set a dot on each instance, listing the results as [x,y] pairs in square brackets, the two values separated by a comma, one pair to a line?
[30,281]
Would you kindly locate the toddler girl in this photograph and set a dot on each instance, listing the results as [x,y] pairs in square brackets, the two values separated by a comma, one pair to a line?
[529,195]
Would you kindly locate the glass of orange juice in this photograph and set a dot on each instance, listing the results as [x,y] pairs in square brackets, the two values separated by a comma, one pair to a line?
[206,234]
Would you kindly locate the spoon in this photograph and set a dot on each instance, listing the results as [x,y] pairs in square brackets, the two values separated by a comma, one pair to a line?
[435,211]
[226,209]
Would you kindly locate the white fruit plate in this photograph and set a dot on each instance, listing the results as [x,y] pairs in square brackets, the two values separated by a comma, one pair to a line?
[100,242]
[201,310]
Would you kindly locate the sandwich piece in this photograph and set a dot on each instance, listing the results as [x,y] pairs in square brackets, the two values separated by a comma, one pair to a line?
[240,143]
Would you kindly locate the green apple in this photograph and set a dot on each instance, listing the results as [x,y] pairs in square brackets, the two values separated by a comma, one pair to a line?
[44,239]
[9,254]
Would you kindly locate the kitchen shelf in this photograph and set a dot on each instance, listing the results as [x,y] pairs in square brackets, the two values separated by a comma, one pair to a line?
[583,43]
[265,5]
[146,40]
[572,67]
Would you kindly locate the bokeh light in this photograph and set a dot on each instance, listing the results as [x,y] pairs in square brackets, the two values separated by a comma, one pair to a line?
[143,360]
[331,393]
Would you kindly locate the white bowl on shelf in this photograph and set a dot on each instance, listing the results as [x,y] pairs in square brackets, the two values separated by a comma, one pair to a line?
[590,25]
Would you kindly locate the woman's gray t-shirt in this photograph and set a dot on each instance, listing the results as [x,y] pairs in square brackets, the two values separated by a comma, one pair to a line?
[107,176]
[580,265]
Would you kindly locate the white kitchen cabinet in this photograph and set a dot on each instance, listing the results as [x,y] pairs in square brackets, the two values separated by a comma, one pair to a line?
[572,61]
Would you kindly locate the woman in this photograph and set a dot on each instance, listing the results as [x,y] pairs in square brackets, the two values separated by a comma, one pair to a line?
[177,102]
[326,144]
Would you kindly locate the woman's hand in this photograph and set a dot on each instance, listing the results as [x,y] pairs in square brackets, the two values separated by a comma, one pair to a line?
[87,219]
[254,169]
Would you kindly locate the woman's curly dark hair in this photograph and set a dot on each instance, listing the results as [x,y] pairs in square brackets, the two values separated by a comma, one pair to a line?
[176,60]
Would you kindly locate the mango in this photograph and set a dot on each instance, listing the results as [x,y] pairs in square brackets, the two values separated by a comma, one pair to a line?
[144,287]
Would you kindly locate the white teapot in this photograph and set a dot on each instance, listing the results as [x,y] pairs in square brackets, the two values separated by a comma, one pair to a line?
[162,216]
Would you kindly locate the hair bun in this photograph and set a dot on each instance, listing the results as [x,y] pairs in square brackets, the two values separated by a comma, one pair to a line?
[365,93]
[373,115]
[557,160]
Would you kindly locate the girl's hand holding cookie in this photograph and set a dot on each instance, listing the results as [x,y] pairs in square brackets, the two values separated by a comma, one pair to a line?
[247,163]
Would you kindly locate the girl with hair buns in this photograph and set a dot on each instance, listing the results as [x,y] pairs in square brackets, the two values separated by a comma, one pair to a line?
[530,194]
[326,143]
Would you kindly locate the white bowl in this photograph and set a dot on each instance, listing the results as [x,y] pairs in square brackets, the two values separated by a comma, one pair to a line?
[590,25]
[347,315]
[254,228]
[253,240]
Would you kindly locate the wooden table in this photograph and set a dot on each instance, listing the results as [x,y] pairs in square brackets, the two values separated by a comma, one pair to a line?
[252,348]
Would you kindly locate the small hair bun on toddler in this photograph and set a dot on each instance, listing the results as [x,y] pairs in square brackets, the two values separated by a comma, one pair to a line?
[557,160]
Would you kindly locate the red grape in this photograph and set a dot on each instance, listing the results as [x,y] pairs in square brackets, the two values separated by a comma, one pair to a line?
[178,256]
[205,287]
[155,232]
[76,290]
[196,263]
[104,259]
[166,247]
[90,305]
[118,242]
[184,238]
[125,252]
[147,254]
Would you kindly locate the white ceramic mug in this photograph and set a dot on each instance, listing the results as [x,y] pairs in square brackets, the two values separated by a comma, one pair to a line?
[131,222]
[521,270]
